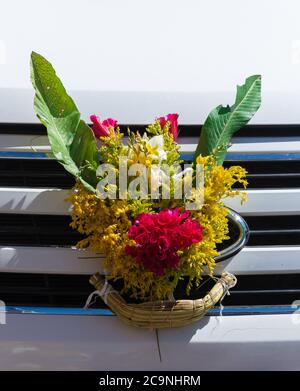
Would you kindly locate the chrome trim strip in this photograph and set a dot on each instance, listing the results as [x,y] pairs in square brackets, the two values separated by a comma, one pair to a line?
[244,234]
[230,310]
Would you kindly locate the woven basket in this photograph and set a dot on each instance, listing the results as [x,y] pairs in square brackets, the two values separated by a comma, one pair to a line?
[161,314]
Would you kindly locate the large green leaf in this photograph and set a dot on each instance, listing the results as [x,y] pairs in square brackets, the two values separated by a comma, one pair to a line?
[222,122]
[85,156]
[72,141]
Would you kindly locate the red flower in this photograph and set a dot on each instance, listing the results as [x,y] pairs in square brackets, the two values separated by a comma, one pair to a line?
[173,120]
[101,129]
[159,236]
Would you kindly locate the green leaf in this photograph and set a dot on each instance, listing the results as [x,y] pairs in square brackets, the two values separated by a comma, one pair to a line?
[222,122]
[72,141]
[84,152]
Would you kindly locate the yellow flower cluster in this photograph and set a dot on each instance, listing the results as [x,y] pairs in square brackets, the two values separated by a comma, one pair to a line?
[105,224]
[145,157]
[218,183]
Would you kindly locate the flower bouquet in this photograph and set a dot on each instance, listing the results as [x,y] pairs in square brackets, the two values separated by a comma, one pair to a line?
[156,219]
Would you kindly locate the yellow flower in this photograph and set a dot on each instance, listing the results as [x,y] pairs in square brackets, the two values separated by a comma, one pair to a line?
[148,151]
[106,222]
[152,150]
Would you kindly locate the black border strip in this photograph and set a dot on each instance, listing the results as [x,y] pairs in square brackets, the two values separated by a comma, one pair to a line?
[287,130]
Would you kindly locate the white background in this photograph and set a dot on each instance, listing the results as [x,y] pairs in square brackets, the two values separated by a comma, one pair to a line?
[200,47]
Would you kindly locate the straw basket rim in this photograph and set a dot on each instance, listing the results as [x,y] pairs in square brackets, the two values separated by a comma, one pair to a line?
[163,313]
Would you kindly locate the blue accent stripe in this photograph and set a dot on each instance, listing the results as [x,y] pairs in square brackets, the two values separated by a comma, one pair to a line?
[184,156]
[232,156]
[56,310]
[263,156]
[23,154]
[255,310]
[234,310]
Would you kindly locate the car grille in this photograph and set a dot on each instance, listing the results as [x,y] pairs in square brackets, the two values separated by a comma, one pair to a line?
[22,230]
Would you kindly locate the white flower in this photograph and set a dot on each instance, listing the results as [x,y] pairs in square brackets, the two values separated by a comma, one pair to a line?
[157,145]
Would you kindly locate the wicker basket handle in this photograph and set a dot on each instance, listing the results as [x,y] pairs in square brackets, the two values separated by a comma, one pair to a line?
[218,291]
[162,313]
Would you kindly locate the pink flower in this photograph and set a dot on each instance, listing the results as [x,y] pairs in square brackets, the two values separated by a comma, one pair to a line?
[173,119]
[158,237]
[101,129]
